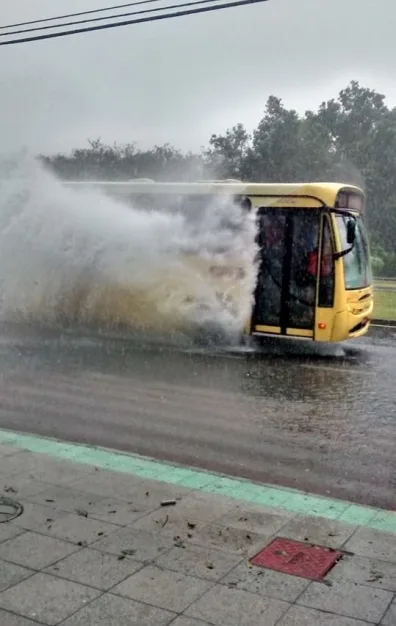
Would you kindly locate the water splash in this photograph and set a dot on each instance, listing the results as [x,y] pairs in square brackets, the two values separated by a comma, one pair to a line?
[78,257]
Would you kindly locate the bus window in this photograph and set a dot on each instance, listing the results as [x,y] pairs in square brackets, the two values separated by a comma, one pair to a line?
[357,270]
[271,241]
[303,269]
[326,278]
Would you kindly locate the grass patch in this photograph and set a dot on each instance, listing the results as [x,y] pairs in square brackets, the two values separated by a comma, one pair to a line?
[384,284]
[385,305]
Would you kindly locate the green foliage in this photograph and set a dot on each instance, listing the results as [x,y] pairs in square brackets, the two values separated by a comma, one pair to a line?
[377,264]
[349,139]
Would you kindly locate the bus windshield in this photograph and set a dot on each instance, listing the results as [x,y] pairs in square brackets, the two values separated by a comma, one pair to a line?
[357,269]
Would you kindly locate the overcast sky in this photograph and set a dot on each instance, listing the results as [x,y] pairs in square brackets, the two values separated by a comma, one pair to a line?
[180,80]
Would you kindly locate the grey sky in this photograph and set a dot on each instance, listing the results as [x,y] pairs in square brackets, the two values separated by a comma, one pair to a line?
[182,79]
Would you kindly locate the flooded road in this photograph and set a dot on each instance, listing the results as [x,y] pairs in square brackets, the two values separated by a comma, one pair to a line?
[295,415]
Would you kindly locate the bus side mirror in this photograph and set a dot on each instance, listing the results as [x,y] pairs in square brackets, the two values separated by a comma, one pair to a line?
[351,232]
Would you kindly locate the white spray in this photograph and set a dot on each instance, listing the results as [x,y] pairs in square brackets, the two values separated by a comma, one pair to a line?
[80,257]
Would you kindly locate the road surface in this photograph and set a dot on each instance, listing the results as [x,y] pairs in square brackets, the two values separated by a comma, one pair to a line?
[321,420]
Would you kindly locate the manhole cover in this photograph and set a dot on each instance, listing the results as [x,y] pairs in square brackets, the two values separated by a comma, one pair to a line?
[296,558]
[9,509]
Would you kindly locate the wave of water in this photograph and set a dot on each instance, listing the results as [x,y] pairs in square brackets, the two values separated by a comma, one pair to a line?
[72,256]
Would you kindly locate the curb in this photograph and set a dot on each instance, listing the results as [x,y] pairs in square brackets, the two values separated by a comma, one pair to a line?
[285,499]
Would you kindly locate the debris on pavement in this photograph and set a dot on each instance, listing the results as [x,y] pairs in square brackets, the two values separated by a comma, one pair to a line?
[10,489]
[166,520]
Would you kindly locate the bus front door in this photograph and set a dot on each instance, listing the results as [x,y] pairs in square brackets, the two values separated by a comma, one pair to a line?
[286,287]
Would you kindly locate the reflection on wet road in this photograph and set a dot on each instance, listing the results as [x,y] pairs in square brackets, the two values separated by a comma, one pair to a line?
[322,420]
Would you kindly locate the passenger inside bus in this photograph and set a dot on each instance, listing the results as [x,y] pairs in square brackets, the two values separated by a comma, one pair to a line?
[303,275]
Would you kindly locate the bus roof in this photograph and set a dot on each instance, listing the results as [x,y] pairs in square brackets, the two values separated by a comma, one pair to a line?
[325,193]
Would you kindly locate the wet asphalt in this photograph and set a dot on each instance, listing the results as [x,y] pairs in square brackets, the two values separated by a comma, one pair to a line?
[317,418]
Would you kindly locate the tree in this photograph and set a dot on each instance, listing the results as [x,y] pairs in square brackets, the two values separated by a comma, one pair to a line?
[275,150]
[227,154]
[350,138]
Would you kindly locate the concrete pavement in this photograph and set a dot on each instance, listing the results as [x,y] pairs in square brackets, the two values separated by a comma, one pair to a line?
[109,539]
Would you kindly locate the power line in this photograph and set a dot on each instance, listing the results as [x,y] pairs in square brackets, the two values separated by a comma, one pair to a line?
[110,17]
[64,17]
[153,18]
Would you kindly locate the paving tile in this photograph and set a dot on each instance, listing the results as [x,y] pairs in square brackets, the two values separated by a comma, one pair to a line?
[16,464]
[198,561]
[34,550]
[188,621]
[142,545]
[9,619]
[239,490]
[204,507]
[35,515]
[230,539]
[385,521]
[300,616]
[11,574]
[7,531]
[6,450]
[265,582]
[65,499]
[145,495]
[317,506]
[262,508]
[147,498]
[58,472]
[104,483]
[47,599]
[168,521]
[150,493]
[357,514]
[318,530]
[168,590]
[233,607]
[77,529]
[115,511]
[254,520]
[373,543]
[390,615]
[110,610]
[95,569]
[21,486]
[159,490]
[347,598]
[371,572]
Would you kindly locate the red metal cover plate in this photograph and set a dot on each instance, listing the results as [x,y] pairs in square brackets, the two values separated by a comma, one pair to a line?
[298,559]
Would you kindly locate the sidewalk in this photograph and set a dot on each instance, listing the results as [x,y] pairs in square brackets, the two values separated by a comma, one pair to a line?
[96,547]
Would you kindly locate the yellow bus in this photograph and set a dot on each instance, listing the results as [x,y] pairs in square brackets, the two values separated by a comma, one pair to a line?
[314,278]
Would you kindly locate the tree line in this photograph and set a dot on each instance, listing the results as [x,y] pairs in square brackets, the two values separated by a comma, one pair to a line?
[350,138]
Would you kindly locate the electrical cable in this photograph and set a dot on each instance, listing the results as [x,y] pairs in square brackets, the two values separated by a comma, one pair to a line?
[110,17]
[63,17]
[153,18]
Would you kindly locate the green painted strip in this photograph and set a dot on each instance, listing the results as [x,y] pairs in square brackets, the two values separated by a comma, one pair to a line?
[209,482]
